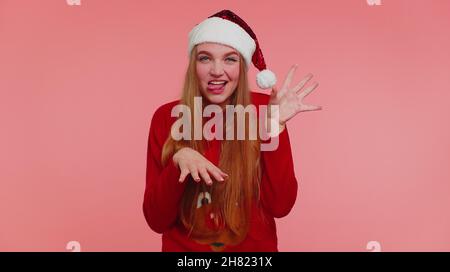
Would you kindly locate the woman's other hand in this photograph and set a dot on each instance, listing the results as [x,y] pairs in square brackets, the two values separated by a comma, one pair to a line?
[290,100]
[192,162]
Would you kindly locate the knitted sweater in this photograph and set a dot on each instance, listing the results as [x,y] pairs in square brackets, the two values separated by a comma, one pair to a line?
[163,192]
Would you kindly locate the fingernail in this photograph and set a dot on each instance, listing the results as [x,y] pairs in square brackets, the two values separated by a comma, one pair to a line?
[221,179]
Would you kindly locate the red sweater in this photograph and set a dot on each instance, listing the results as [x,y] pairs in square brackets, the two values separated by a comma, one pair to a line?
[163,192]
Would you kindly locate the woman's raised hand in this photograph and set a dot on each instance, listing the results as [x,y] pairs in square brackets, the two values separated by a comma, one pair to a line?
[192,162]
[290,100]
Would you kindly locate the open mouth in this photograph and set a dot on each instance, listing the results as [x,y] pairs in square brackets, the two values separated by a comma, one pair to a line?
[217,85]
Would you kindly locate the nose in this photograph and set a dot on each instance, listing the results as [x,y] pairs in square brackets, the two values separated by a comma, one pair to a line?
[216,69]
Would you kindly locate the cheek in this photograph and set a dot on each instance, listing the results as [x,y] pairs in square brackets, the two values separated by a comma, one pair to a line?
[202,72]
[233,73]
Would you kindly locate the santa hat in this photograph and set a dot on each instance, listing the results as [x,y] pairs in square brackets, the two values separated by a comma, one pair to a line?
[227,28]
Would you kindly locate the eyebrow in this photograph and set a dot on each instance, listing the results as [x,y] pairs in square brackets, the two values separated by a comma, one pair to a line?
[209,54]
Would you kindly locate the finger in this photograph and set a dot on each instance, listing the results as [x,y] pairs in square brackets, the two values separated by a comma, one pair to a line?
[194,173]
[205,176]
[302,83]
[222,173]
[183,175]
[215,173]
[308,90]
[310,108]
[214,167]
[289,77]
[184,171]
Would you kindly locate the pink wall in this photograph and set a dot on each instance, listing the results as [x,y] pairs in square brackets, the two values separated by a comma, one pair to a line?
[79,85]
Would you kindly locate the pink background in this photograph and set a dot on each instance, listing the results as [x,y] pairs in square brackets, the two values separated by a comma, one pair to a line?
[79,85]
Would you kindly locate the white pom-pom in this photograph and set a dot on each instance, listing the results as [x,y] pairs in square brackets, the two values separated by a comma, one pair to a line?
[266,79]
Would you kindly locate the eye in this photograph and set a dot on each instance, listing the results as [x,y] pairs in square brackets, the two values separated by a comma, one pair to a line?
[202,58]
[232,59]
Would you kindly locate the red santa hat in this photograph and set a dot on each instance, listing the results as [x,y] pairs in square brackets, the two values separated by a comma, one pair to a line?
[227,28]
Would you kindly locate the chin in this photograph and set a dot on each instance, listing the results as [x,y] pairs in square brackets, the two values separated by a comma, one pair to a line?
[216,99]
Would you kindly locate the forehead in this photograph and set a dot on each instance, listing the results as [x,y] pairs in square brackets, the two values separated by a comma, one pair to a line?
[215,48]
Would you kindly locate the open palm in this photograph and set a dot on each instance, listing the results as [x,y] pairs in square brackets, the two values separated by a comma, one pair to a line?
[290,100]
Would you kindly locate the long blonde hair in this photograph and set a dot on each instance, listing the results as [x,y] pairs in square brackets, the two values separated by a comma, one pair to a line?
[240,159]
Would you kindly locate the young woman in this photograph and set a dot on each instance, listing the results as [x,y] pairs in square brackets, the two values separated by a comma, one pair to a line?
[222,195]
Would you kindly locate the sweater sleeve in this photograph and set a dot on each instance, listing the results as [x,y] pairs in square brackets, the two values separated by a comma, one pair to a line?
[278,183]
[163,192]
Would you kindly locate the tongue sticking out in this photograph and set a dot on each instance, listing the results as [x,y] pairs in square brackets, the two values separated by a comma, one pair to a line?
[216,86]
